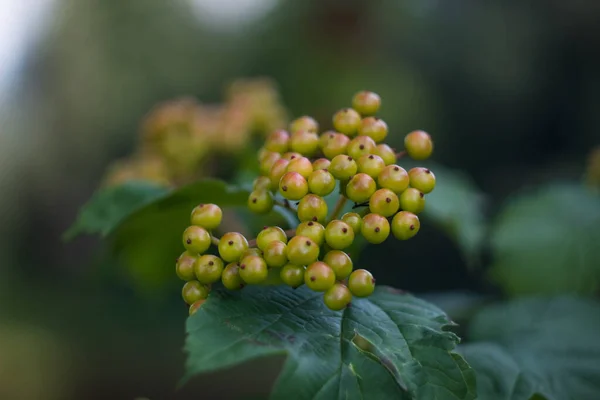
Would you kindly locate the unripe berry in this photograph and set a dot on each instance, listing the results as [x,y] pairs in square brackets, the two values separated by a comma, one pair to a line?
[208,216]
[346,121]
[371,165]
[302,250]
[231,277]
[412,200]
[196,239]
[251,252]
[343,167]
[336,145]
[253,270]
[418,145]
[267,162]
[262,183]
[339,234]
[405,225]
[325,137]
[320,163]
[312,208]
[290,155]
[321,182]
[304,142]
[393,177]
[384,202]
[359,146]
[339,262]
[262,153]
[301,165]
[360,188]
[337,297]
[375,228]
[386,153]
[366,103]
[193,291]
[422,179]
[312,230]
[275,254]
[319,276]
[196,306]
[278,141]
[354,220]
[293,186]
[361,283]
[292,275]
[373,127]
[208,268]
[270,234]
[304,123]
[232,245]
[185,266]
[278,169]
[260,202]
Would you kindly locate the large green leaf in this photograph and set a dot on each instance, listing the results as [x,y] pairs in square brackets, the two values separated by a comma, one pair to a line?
[388,346]
[537,349]
[547,241]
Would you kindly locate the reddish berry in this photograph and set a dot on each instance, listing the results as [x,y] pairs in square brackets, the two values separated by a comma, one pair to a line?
[253,270]
[275,254]
[196,239]
[371,165]
[418,145]
[340,263]
[346,121]
[405,225]
[384,202]
[361,283]
[354,220]
[312,208]
[260,202]
[267,162]
[422,179]
[293,186]
[386,153]
[270,234]
[320,163]
[278,141]
[359,146]
[185,266]
[301,165]
[278,169]
[335,146]
[319,276]
[312,230]
[393,177]
[412,200]
[196,306]
[291,155]
[193,291]
[292,275]
[366,103]
[304,123]
[304,142]
[343,167]
[321,182]
[339,234]
[232,245]
[360,188]
[208,216]
[373,127]
[337,297]
[231,277]
[302,250]
[208,268]
[375,228]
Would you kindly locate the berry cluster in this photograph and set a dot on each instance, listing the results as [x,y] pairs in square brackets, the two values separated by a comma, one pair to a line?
[298,169]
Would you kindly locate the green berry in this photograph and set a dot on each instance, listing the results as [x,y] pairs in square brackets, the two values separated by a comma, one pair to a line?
[196,239]
[267,162]
[292,275]
[339,234]
[251,252]
[193,291]
[359,146]
[360,188]
[354,220]
[196,306]
[278,169]
[293,186]
[346,121]
[262,153]
[418,145]
[325,137]
[304,142]
[262,183]
[320,163]
[208,268]
[301,165]
[343,167]
[270,234]
[412,200]
[336,145]
[337,297]
[312,208]
[319,276]
[232,245]
[371,165]
[185,266]
[373,127]
[275,254]
[312,230]
[375,228]
[340,263]
[361,283]
[253,270]
[386,153]
[304,123]
[422,179]
[405,225]
[208,216]
[278,141]
[321,182]
[384,202]
[366,103]
[393,177]
[290,155]
[302,250]
[260,202]
[231,277]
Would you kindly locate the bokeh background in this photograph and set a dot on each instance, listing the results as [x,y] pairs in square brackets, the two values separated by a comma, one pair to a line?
[509,90]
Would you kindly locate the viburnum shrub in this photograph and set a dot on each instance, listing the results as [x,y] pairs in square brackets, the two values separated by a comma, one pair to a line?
[299,167]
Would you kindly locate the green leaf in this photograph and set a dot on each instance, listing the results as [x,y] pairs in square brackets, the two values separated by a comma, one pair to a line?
[537,349]
[388,346]
[546,242]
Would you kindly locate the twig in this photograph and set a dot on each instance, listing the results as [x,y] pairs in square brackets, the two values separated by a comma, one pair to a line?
[357,205]
[400,154]
[338,207]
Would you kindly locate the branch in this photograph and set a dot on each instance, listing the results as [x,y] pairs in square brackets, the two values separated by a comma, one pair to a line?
[338,207]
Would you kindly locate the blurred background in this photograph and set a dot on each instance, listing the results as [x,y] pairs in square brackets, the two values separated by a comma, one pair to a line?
[509,90]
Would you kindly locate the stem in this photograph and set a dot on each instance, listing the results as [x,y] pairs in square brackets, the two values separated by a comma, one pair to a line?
[400,155]
[289,233]
[338,207]
[214,240]
[285,204]
[357,205]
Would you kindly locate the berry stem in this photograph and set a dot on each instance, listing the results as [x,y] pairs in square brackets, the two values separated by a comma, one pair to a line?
[400,154]
[214,240]
[289,233]
[338,207]
[285,204]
